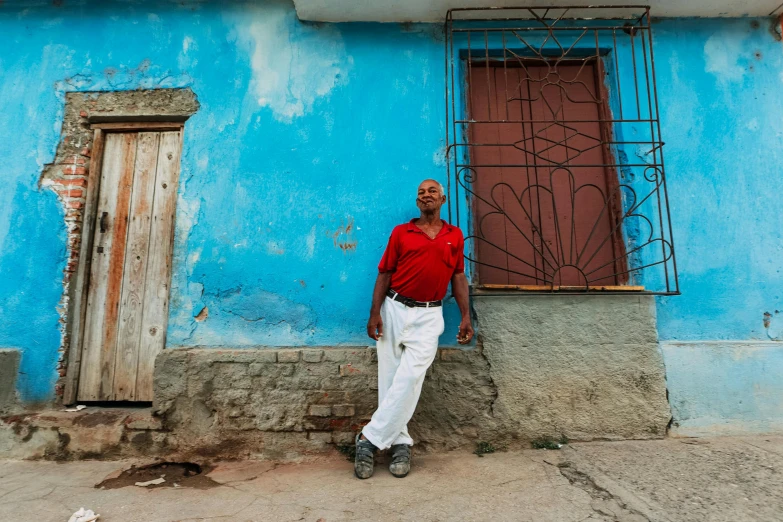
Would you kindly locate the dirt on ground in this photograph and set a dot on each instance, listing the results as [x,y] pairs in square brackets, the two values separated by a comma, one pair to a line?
[734,479]
[174,475]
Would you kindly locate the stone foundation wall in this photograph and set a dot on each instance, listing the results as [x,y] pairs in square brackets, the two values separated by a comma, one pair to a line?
[280,403]
[583,368]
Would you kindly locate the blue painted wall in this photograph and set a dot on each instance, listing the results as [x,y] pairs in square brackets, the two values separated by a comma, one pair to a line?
[722,116]
[307,149]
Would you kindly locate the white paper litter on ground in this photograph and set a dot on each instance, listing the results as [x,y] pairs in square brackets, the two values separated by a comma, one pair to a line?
[78,408]
[83,515]
[153,482]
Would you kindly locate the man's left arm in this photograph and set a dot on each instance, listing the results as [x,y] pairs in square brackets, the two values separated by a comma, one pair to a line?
[459,289]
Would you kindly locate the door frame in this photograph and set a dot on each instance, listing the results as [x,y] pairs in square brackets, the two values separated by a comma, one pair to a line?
[80,284]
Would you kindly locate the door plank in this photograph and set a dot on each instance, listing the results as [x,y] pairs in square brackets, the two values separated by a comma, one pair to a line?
[135,267]
[106,267]
[156,294]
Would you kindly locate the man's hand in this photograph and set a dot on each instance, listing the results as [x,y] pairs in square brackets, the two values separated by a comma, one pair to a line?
[465,331]
[375,326]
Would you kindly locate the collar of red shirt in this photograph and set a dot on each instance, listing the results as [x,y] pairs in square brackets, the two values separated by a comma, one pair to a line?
[445,229]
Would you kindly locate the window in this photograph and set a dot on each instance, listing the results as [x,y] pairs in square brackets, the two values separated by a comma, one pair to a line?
[545,205]
[555,156]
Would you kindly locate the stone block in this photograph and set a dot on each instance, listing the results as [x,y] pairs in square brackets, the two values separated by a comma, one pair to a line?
[320,410]
[349,369]
[312,356]
[256,369]
[324,437]
[236,396]
[453,355]
[266,355]
[343,410]
[143,421]
[288,356]
[334,355]
[9,368]
[343,437]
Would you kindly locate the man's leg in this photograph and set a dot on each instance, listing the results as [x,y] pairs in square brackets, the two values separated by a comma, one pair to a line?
[388,348]
[389,351]
[420,338]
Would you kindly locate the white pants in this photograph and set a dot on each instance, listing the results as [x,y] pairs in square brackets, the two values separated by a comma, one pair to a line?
[405,351]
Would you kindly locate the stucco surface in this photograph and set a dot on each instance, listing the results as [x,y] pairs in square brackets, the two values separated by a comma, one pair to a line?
[583,367]
[724,388]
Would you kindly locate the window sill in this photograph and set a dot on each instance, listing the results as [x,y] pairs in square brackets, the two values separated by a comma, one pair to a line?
[593,289]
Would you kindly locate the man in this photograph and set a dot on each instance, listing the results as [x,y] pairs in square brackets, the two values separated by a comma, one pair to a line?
[406,319]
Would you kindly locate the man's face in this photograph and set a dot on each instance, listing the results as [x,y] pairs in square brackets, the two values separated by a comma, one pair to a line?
[430,197]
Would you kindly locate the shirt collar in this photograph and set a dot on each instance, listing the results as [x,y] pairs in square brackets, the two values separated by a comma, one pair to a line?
[445,230]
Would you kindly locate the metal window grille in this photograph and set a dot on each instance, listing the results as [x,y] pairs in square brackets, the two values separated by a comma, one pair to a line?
[571,93]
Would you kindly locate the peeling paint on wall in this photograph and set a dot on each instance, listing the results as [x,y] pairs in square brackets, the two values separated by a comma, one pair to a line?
[723,56]
[293,64]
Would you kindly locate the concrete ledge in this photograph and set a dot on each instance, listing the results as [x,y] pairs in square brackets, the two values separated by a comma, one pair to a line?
[724,387]
[93,433]
[587,367]
[9,369]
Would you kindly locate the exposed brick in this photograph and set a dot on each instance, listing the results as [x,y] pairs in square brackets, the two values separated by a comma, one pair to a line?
[288,356]
[71,170]
[312,356]
[75,204]
[71,193]
[86,152]
[74,160]
[343,410]
[320,410]
[73,182]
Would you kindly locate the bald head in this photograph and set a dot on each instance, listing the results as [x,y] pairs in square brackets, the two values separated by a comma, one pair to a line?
[432,181]
[430,197]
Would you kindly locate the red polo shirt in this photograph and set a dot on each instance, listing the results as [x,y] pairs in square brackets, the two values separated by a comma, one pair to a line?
[422,267]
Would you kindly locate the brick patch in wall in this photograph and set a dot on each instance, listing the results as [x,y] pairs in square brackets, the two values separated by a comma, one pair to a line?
[68,174]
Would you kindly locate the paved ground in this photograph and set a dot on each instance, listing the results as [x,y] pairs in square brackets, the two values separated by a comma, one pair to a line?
[731,479]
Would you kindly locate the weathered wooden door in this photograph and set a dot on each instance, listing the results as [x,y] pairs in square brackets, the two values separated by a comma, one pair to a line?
[130,269]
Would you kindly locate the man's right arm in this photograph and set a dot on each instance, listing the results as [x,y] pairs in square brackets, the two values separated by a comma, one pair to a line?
[375,324]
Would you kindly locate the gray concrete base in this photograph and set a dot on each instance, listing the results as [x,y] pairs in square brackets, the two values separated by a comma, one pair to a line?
[9,369]
[586,367]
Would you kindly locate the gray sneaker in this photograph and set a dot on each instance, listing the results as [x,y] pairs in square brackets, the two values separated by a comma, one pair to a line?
[400,460]
[364,463]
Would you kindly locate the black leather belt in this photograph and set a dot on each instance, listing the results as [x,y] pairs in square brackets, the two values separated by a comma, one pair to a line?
[412,303]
